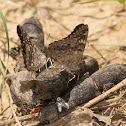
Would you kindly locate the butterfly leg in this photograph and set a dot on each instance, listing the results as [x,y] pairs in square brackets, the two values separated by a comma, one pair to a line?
[61,103]
[72,78]
[48,60]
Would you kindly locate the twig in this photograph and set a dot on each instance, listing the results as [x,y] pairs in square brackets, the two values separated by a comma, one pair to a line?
[22,118]
[106,94]
[119,122]
[4,67]
[107,45]
[4,110]
[82,2]
[110,116]
[106,106]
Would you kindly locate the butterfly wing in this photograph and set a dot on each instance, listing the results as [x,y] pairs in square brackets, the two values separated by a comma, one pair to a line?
[69,50]
[73,45]
[33,57]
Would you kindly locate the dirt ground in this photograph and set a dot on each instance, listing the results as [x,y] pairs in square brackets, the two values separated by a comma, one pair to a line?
[106,21]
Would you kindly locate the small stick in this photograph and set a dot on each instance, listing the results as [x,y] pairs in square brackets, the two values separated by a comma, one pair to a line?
[104,107]
[119,122]
[4,110]
[4,67]
[22,118]
[106,94]
[110,116]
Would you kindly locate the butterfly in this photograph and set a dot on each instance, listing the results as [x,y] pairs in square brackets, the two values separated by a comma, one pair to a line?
[34,59]
[69,50]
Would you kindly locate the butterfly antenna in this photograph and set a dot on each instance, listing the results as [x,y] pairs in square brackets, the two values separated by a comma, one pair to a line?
[103,57]
[48,37]
[49,59]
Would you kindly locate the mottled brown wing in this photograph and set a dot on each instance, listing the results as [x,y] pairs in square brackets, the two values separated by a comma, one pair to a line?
[71,46]
[34,59]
